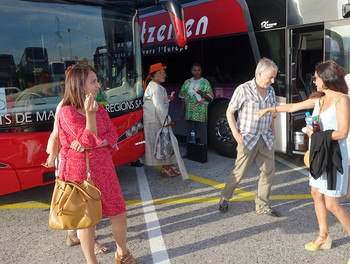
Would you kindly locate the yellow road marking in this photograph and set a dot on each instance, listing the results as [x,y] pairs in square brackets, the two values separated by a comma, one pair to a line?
[218,185]
[47,205]
[245,196]
[24,205]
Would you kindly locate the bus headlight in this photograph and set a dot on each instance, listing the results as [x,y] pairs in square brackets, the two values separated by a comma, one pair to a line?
[139,126]
[134,130]
[128,133]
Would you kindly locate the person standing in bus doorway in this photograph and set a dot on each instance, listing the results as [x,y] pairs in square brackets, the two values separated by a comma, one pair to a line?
[155,115]
[84,124]
[255,137]
[196,94]
[328,175]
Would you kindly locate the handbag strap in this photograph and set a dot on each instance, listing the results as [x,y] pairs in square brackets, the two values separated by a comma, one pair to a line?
[166,118]
[320,109]
[83,190]
[87,163]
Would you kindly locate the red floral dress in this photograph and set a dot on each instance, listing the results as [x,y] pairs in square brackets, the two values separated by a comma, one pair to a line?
[72,126]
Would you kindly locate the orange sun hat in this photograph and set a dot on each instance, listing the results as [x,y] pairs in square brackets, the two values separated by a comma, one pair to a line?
[153,68]
[156,67]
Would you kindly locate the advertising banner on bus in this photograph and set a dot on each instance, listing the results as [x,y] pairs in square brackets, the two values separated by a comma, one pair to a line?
[156,28]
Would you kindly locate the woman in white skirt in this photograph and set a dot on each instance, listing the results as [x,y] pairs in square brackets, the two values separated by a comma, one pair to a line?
[155,111]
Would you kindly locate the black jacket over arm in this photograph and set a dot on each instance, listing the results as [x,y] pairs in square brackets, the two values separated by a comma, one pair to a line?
[325,156]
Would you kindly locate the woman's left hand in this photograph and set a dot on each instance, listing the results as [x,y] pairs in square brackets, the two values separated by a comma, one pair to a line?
[75,145]
[261,113]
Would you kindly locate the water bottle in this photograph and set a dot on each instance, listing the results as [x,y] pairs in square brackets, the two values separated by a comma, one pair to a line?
[193,137]
[315,124]
[308,119]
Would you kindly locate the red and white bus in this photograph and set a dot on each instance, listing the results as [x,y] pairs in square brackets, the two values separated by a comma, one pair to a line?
[228,37]
[69,29]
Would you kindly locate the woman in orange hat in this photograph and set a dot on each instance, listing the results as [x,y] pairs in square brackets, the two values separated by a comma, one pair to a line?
[155,110]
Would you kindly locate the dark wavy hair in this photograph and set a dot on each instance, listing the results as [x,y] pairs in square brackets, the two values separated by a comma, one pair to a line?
[76,77]
[332,76]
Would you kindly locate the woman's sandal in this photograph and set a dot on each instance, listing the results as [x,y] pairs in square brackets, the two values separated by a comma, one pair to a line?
[100,249]
[175,170]
[125,259]
[327,243]
[72,240]
[168,173]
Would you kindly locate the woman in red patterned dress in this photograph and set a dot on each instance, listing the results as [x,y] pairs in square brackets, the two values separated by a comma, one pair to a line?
[84,124]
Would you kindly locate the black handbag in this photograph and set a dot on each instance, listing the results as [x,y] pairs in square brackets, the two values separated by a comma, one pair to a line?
[163,148]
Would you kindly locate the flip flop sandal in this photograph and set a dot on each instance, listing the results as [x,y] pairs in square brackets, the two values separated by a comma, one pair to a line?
[101,249]
[72,240]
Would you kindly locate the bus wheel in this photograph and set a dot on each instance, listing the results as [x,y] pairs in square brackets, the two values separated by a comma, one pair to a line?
[220,136]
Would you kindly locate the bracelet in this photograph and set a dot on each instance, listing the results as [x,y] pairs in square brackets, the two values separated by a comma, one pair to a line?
[276,110]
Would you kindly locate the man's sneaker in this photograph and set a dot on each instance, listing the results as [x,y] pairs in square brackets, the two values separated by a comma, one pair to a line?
[344,200]
[269,211]
[223,206]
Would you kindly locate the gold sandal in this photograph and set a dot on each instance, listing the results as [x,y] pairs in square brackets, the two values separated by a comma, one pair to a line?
[125,259]
[175,170]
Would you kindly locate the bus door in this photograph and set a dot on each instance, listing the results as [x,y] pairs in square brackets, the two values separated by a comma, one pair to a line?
[305,50]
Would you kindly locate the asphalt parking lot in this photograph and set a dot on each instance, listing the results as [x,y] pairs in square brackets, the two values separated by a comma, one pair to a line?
[175,221]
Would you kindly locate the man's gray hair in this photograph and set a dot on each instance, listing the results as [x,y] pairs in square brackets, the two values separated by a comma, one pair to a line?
[265,65]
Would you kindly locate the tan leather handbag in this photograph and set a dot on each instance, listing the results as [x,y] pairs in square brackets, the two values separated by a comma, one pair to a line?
[307,158]
[75,206]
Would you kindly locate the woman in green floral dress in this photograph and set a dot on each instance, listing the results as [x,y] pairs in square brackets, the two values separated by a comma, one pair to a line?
[196,94]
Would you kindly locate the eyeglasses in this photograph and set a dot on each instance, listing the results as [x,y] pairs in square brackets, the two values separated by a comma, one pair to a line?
[314,78]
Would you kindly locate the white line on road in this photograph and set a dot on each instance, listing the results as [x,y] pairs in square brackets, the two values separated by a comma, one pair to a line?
[158,249]
[302,170]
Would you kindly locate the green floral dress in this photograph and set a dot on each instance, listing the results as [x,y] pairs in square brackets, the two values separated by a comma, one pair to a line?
[196,110]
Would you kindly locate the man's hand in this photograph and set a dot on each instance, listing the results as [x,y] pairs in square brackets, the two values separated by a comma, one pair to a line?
[238,137]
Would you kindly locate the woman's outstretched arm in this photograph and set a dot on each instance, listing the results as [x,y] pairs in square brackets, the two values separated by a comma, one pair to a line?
[289,108]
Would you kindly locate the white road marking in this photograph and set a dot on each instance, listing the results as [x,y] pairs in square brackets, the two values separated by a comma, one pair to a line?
[158,249]
[302,170]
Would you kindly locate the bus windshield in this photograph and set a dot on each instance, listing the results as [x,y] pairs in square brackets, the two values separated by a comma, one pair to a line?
[46,38]
[49,37]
